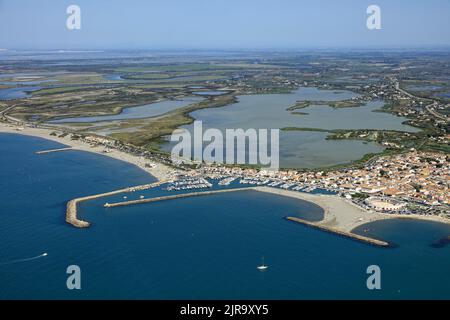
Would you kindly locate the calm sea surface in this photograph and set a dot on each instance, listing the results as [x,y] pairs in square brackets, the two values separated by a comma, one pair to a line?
[203,247]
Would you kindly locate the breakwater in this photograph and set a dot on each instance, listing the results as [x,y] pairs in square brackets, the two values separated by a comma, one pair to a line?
[175,196]
[53,150]
[72,205]
[343,233]
[72,218]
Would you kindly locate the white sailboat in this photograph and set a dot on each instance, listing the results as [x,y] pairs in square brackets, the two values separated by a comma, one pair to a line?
[262,267]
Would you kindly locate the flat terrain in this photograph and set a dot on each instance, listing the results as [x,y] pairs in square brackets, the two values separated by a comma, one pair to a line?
[416,88]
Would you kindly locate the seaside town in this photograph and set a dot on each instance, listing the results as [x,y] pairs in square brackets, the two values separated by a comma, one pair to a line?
[225,153]
[407,182]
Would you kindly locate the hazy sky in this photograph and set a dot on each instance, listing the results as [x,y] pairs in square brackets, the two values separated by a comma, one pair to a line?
[202,24]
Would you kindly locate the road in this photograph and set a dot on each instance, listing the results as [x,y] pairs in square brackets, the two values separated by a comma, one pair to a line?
[428,108]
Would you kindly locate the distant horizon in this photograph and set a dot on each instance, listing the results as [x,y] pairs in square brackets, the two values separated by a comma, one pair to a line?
[443,47]
[222,25]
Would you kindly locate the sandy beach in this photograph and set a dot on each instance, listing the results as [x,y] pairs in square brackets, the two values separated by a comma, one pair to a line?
[158,170]
[339,213]
[342,214]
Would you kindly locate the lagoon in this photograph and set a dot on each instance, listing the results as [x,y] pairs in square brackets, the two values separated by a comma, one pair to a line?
[304,149]
[139,112]
[17,92]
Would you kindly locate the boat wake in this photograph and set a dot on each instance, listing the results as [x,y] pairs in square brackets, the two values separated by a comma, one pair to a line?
[24,260]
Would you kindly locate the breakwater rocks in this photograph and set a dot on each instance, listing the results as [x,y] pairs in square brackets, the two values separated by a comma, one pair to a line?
[53,150]
[72,205]
[175,196]
[343,233]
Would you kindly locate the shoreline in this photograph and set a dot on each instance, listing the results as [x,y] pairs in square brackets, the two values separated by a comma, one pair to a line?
[340,215]
[344,215]
[350,235]
[160,171]
[72,205]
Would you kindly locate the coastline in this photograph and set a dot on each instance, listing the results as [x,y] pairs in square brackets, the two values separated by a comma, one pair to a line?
[72,205]
[160,171]
[341,216]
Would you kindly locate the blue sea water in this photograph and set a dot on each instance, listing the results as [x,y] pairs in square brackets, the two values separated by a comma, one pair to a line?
[191,248]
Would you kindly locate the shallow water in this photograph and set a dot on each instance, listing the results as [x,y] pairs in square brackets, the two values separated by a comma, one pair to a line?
[423,87]
[139,112]
[269,111]
[303,149]
[17,93]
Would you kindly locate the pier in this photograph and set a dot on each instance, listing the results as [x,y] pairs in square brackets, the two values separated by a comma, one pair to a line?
[72,205]
[340,217]
[175,196]
[318,225]
[343,233]
[54,150]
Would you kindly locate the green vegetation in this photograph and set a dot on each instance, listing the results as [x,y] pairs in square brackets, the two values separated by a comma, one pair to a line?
[59,90]
[195,67]
[300,113]
[306,129]
[83,90]
[360,196]
[184,79]
[331,104]
[428,89]
[79,78]
[151,133]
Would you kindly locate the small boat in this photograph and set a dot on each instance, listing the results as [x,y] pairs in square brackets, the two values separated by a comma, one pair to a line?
[262,267]
[141,197]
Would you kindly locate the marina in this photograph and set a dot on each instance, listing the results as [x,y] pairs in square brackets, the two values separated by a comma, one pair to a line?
[188,184]
[172,197]
[260,218]
[226,181]
[334,220]
[202,230]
